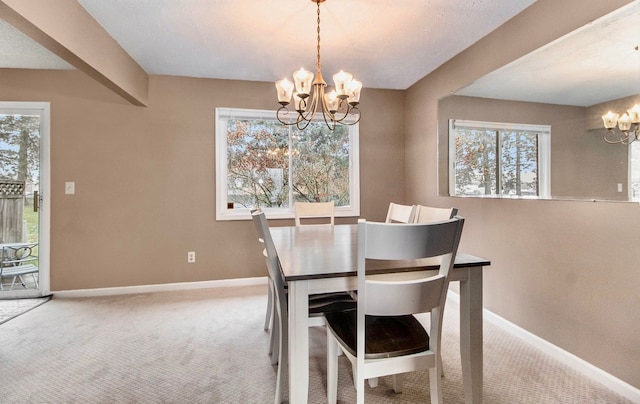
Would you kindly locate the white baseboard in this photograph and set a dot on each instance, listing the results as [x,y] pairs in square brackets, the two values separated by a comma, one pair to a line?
[594,373]
[165,287]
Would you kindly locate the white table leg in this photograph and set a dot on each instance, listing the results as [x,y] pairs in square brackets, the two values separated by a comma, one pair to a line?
[298,342]
[471,335]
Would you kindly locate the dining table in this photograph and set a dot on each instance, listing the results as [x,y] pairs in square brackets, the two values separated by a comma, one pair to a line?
[322,258]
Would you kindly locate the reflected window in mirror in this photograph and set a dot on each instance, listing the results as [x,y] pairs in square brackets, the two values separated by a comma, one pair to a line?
[634,171]
[494,159]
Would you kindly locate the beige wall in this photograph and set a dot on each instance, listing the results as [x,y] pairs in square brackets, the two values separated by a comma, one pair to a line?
[565,271]
[145,177]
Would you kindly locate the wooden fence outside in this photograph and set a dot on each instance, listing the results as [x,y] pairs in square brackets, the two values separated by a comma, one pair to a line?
[11,211]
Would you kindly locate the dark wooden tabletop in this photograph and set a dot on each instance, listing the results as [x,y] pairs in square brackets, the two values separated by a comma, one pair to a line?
[314,252]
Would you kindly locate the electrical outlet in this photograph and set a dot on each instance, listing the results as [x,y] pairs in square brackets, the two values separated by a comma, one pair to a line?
[191,257]
[70,188]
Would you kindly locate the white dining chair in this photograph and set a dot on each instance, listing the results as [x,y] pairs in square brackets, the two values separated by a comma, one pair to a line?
[398,213]
[318,304]
[427,214]
[314,213]
[270,317]
[382,337]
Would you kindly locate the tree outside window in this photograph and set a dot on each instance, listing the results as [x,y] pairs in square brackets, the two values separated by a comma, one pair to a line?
[498,159]
[269,165]
[19,158]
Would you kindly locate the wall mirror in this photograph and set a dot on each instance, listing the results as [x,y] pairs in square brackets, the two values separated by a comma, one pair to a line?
[567,85]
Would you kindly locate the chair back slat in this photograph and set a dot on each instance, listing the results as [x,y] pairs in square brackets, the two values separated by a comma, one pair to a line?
[400,213]
[384,241]
[273,263]
[394,298]
[410,241]
[428,214]
[307,211]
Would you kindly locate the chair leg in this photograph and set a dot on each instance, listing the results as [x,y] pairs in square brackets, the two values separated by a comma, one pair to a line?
[276,339]
[359,387]
[269,314]
[272,340]
[435,384]
[397,382]
[283,369]
[283,356]
[332,368]
[373,382]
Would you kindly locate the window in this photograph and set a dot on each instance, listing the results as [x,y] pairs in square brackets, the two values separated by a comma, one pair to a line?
[499,159]
[634,171]
[262,163]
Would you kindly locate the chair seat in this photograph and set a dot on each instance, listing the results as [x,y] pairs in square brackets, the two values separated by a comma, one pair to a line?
[330,302]
[386,336]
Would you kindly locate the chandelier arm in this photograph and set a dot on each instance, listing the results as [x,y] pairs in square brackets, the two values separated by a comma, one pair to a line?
[628,139]
[607,136]
[286,112]
[325,112]
[345,114]
[354,111]
[305,118]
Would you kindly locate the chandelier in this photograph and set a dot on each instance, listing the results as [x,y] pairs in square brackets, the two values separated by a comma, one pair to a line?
[628,126]
[309,97]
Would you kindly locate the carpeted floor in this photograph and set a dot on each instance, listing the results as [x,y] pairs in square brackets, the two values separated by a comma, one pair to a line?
[208,346]
[15,307]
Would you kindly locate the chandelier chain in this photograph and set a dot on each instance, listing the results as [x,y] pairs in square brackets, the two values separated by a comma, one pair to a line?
[318,66]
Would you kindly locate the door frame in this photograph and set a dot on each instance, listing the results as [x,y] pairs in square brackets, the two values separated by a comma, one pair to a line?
[44,226]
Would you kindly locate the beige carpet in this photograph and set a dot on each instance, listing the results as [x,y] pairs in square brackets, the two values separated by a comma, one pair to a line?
[14,307]
[208,346]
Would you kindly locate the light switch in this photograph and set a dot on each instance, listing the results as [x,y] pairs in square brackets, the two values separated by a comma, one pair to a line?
[70,188]
[619,187]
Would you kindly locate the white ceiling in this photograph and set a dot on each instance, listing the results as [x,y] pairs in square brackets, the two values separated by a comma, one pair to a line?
[592,65]
[384,43]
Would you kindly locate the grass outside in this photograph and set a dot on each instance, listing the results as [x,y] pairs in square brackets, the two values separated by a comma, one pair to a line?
[31,218]
[32,223]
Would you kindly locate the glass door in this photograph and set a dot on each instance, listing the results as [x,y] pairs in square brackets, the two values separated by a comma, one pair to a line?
[24,131]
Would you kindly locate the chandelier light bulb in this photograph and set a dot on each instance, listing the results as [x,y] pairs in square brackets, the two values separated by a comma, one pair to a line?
[332,101]
[341,81]
[610,119]
[634,113]
[624,122]
[354,92]
[285,89]
[303,80]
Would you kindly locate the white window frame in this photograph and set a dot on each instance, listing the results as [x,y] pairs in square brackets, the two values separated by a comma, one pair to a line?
[222,115]
[44,240]
[634,148]
[544,155]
